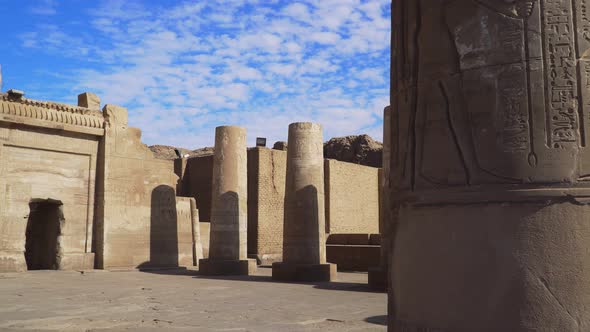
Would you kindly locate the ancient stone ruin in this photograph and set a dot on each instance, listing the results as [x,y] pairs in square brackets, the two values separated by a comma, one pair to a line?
[489,166]
[82,192]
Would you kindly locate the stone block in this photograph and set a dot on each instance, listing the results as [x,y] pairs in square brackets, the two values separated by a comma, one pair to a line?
[211,267]
[77,261]
[89,100]
[375,239]
[11,261]
[353,257]
[351,239]
[303,272]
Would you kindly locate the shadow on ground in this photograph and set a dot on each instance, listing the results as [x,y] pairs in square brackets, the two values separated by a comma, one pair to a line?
[335,285]
[377,320]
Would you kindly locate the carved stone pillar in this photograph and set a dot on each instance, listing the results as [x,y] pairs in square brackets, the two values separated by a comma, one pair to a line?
[304,234]
[228,238]
[490,165]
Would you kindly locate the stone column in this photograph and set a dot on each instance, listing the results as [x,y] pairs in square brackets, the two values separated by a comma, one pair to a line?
[304,234]
[490,165]
[228,243]
[378,278]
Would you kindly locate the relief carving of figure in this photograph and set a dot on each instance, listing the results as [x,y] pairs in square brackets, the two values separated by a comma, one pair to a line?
[466,84]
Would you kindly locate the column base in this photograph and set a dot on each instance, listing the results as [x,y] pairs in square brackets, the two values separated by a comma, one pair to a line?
[213,267]
[378,278]
[303,272]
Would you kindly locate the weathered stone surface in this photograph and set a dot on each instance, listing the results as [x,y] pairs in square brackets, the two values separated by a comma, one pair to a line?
[116,203]
[358,149]
[489,165]
[267,171]
[304,239]
[40,162]
[351,198]
[280,145]
[89,100]
[378,275]
[229,224]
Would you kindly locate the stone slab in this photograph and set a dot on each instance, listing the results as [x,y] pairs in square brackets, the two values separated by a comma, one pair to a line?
[353,257]
[218,267]
[355,239]
[303,272]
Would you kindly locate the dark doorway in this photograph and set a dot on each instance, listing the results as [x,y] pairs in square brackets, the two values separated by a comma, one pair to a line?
[43,250]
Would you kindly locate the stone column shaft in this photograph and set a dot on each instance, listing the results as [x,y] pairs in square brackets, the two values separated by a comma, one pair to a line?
[228,237]
[490,165]
[304,238]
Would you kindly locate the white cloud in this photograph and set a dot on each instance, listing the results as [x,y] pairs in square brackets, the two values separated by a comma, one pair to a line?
[184,69]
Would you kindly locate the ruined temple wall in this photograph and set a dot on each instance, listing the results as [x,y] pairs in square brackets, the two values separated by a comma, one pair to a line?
[352,198]
[44,156]
[267,170]
[197,182]
[138,217]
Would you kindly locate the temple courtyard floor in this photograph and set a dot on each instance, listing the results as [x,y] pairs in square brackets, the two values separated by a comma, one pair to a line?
[182,300]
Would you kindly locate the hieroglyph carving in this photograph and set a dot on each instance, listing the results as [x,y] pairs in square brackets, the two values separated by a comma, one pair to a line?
[501,97]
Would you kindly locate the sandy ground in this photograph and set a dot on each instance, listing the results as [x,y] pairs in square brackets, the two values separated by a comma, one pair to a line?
[182,300]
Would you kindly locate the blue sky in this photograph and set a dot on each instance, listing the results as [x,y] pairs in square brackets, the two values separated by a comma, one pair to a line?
[183,68]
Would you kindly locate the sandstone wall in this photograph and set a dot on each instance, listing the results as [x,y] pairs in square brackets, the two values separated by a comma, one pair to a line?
[352,198]
[137,203]
[47,151]
[266,198]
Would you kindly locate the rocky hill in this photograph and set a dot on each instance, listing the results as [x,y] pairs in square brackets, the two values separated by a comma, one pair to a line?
[167,152]
[358,149]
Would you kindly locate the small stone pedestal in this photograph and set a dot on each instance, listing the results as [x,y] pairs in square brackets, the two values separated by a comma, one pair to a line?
[227,267]
[304,238]
[228,237]
[303,272]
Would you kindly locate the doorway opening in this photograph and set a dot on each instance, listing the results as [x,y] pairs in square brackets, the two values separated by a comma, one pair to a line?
[43,234]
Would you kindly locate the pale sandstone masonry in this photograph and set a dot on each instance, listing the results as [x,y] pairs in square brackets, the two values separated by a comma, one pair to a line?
[352,198]
[267,170]
[355,198]
[48,152]
[228,242]
[86,175]
[490,165]
[190,249]
[304,239]
[137,224]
